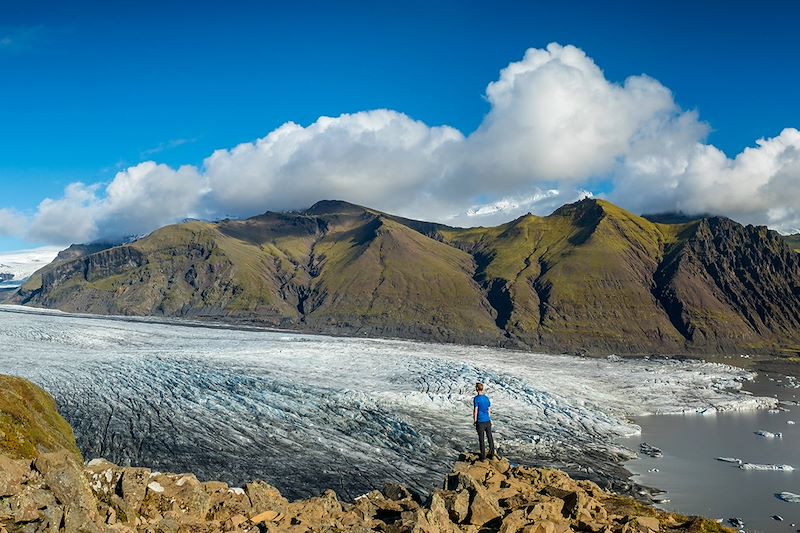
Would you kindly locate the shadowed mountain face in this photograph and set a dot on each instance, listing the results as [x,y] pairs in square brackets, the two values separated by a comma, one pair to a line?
[591,276]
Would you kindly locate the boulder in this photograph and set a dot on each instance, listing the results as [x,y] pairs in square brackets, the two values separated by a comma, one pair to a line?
[225,505]
[315,512]
[514,522]
[483,508]
[189,496]
[27,504]
[573,503]
[51,519]
[548,507]
[434,519]
[650,522]
[64,477]
[103,477]
[457,504]
[133,486]
[395,491]
[265,497]
[13,472]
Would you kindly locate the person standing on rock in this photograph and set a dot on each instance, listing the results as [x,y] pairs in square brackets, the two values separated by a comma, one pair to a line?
[482,418]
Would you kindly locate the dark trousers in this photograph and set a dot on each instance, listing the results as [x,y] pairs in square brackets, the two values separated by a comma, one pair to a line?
[485,428]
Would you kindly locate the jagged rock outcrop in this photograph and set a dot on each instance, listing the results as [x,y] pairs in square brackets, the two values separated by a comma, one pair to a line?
[590,277]
[731,287]
[57,493]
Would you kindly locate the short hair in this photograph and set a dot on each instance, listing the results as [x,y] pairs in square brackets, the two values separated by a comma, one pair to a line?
[479,386]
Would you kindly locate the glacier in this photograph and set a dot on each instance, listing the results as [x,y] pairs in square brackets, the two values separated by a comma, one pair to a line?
[308,412]
[22,263]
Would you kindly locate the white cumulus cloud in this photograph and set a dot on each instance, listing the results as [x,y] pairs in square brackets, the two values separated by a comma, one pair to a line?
[138,200]
[761,185]
[379,158]
[556,127]
[12,223]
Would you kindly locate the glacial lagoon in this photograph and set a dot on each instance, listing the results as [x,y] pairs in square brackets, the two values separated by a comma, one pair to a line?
[696,482]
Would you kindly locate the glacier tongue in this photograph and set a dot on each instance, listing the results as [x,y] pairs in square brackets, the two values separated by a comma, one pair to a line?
[306,412]
[23,263]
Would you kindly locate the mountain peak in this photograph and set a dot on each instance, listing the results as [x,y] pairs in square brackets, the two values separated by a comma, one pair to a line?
[674,217]
[328,207]
[585,210]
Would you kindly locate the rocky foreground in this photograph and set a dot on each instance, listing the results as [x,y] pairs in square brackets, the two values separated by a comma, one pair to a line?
[57,493]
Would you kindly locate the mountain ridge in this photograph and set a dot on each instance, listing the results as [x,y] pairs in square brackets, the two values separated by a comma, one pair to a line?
[588,277]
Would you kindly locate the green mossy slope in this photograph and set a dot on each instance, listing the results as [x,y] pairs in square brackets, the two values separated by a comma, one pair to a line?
[29,421]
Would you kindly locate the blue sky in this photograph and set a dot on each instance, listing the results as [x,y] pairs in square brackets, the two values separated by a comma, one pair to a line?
[89,89]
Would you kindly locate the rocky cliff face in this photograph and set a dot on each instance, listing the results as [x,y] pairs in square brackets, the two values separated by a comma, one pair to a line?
[590,277]
[732,287]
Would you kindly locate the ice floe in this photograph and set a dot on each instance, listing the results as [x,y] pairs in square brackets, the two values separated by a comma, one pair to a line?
[769,434]
[790,497]
[729,460]
[757,466]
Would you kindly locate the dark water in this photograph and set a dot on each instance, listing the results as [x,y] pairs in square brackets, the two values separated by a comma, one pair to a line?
[696,483]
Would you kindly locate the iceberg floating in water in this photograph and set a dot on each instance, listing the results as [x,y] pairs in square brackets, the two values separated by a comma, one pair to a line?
[652,451]
[736,522]
[729,460]
[790,497]
[756,466]
[769,434]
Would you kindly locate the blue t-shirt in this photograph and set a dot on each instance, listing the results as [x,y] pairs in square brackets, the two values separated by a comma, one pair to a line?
[482,403]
